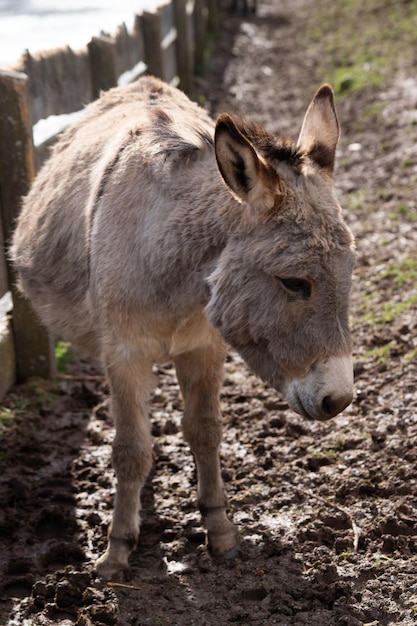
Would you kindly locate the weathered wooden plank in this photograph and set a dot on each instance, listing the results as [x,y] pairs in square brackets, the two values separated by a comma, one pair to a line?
[160,38]
[34,356]
[7,357]
[169,43]
[129,47]
[134,49]
[200,26]
[103,63]
[4,281]
[184,19]
[151,28]
[17,168]
[213,16]
[59,81]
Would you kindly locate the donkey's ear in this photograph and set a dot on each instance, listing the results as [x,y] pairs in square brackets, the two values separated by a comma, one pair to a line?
[320,131]
[244,171]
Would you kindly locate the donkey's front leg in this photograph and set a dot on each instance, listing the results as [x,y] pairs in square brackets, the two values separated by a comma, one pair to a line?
[200,374]
[132,460]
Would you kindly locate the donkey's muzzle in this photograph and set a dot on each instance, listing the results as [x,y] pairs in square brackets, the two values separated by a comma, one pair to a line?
[332,406]
[325,391]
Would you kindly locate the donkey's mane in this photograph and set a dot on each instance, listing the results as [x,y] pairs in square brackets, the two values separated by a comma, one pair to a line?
[271,147]
[177,141]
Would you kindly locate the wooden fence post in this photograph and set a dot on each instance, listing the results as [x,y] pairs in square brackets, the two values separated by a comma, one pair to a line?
[7,354]
[200,26]
[184,18]
[7,358]
[213,15]
[33,347]
[151,38]
[103,63]
[161,39]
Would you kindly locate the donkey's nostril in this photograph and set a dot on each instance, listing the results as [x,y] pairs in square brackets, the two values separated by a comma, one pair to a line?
[331,406]
[326,405]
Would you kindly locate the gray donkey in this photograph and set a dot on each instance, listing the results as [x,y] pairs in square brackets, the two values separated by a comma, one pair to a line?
[136,246]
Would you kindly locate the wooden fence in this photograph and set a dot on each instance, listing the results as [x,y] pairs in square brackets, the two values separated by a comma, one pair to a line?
[169,43]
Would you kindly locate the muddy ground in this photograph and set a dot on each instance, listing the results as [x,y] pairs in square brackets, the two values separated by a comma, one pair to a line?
[327,511]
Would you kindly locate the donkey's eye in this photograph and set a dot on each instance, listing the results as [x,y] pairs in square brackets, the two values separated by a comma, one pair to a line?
[299,286]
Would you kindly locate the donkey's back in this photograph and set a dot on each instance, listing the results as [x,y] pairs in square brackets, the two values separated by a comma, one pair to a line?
[134,151]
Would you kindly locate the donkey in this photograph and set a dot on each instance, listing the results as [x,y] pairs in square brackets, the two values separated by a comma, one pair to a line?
[139,249]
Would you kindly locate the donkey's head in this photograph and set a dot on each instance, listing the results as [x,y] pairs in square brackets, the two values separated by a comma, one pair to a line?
[280,291]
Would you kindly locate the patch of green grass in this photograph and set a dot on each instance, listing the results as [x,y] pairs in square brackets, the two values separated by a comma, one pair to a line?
[360,57]
[341,443]
[391,310]
[373,111]
[380,354]
[64,355]
[375,314]
[387,301]
[383,559]
[406,213]
[354,200]
[6,419]
[407,162]
[384,147]
[345,553]
[349,79]
[329,452]
[411,355]
[11,412]
[402,272]
[403,213]
[19,404]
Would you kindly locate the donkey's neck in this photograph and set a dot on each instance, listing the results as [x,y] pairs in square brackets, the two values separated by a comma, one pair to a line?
[187,245]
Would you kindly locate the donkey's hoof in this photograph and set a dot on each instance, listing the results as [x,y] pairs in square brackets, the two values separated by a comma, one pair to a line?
[232,553]
[110,568]
[224,544]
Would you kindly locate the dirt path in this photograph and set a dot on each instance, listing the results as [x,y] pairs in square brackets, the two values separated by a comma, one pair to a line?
[328,511]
